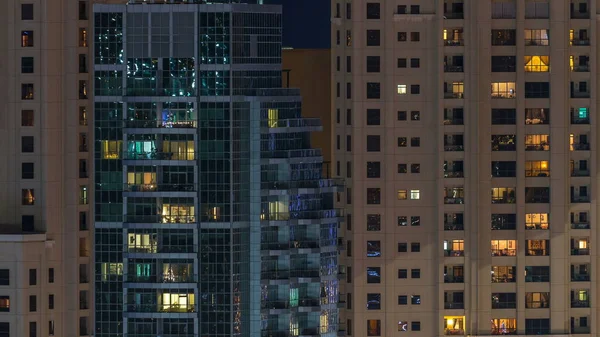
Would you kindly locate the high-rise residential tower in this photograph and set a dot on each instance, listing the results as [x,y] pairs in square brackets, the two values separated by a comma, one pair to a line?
[466,130]
[45,245]
[212,213]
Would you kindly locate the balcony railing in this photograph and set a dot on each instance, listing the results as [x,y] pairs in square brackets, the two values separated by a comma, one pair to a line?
[576,277]
[320,214]
[580,199]
[454,95]
[451,226]
[580,225]
[537,278]
[454,15]
[504,331]
[303,153]
[580,42]
[579,15]
[454,174]
[160,187]
[581,68]
[580,251]
[454,147]
[454,305]
[163,278]
[155,155]
[151,124]
[293,184]
[292,123]
[503,278]
[504,305]
[453,121]
[159,219]
[580,304]
[176,308]
[581,330]
[580,94]
[453,69]
[454,253]
[580,146]
[454,43]
[454,279]
[274,305]
[579,120]
[454,200]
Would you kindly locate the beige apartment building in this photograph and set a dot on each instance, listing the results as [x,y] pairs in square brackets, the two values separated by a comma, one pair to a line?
[466,130]
[45,241]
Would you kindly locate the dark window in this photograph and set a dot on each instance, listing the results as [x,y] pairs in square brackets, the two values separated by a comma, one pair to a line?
[402,299]
[83,12]
[373,64]
[373,90]
[338,37]
[349,11]
[415,141]
[27,144]
[402,247]
[83,63]
[348,116]
[402,168]
[415,299]
[373,117]
[415,63]
[83,225]
[27,170]
[337,62]
[373,10]
[402,36]
[415,221]
[415,326]
[402,273]
[348,169]
[26,117]
[401,141]
[4,329]
[373,196]
[348,143]
[536,195]
[415,36]
[504,169]
[415,273]
[4,277]
[349,90]
[415,115]
[415,247]
[504,116]
[504,300]
[338,116]
[373,248]
[26,11]
[537,326]
[26,65]
[32,329]
[373,169]
[373,143]
[348,64]
[338,142]
[373,301]
[415,168]
[50,275]
[27,223]
[401,115]
[401,63]
[373,275]
[415,9]
[349,275]
[415,89]
[32,277]
[27,91]
[32,303]
[537,89]
[373,222]
[504,64]
[504,37]
[373,37]
[504,143]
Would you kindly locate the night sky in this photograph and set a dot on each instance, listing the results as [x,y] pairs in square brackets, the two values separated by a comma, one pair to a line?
[305,23]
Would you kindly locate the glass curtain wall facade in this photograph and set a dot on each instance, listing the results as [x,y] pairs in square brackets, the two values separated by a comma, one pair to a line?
[213,214]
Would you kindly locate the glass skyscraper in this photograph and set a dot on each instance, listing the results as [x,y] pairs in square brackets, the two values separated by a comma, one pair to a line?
[213,214]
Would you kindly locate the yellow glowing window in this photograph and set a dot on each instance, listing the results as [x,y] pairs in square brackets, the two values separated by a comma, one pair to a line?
[178,302]
[537,63]
[110,269]
[537,168]
[504,326]
[4,303]
[273,117]
[458,87]
[454,325]
[536,221]
[143,242]
[582,295]
[571,36]
[445,34]
[178,213]
[582,244]
[402,194]
[401,89]
[415,194]
[141,178]
[572,62]
[504,247]
[111,149]
[179,150]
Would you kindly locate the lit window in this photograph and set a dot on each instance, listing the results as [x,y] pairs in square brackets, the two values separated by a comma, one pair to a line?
[108,269]
[504,247]
[537,63]
[402,194]
[273,115]
[402,89]
[4,303]
[415,194]
[536,221]
[504,326]
[111,149]
[503,90]
[82,37]
[538,168]
[454,325]
[28,197]
[83,195]
[27,38]
[537,142]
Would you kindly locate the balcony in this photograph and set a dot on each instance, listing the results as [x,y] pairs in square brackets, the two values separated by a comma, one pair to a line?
[457,42]
[453,120]
[580,94]
[160,187]
[453,226]
[454,200]
[454,174]
[580,146]
[159,219]
[320,214]
[292,123]
[503,278]
[453,95]
[454,305]
[537,278]
[576,199]
[580,225]
[454,253]
[580,251]
[157,124]
[282,154]
[580,42]
[580,120]
[504,331]
[275,305]
[155,155]
[163,278]
[580,304]
[304,273]
[295,184]
[175,308]
[450,15]
[453,69]
[580,68]
[580,277]
[581,329]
